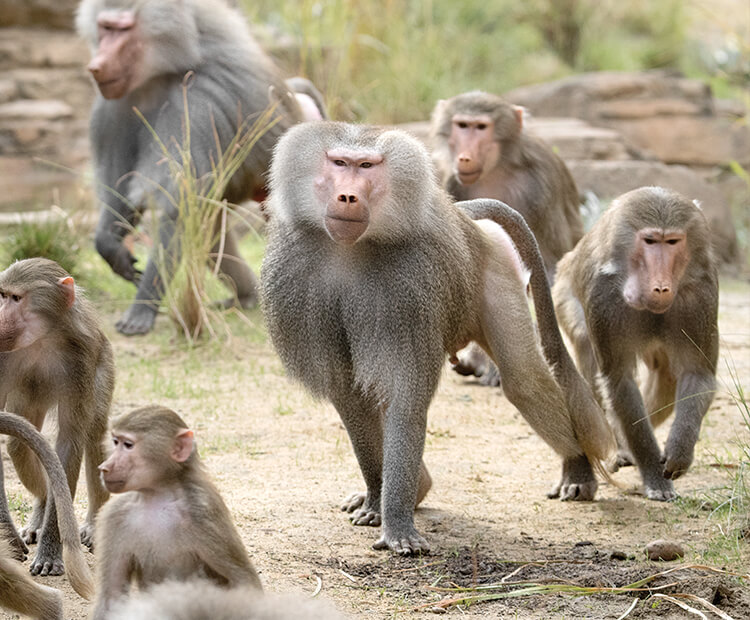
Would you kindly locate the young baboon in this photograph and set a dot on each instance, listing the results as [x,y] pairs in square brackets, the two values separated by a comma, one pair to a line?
[199,599]
[642,284]
[17,590]
[164,57]
[482,150]
[52,353]
[371,275]
[168,520]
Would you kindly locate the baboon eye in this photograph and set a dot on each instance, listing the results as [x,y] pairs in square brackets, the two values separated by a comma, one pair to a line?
[339,162]
[673,241]
[649,241]
[127,444]
[482,126]
[463,125]
[16,298]
[365,164]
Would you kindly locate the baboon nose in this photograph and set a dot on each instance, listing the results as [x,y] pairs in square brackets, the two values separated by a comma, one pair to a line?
[349,198]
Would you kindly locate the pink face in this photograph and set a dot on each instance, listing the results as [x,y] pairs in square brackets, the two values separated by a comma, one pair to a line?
[657,264]
[127,469]
[20,326]
[474,146]
[350,185]
[118,58]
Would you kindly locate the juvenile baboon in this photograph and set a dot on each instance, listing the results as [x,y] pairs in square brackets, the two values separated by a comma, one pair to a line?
[642,284]
[482,150]
[168,520]
[371,275]
[199,599]
[164,57]
[52,353]
[17,590]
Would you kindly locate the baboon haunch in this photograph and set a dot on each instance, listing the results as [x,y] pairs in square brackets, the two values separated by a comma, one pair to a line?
[372,275]
[482,150]
[52,353]
[642,284]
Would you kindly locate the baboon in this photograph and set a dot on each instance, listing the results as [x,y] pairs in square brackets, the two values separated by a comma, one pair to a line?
[170,59]
[52,353]
[17,590]
[371,275]
[642,284]
[482,150]
[199,599]
[168,520]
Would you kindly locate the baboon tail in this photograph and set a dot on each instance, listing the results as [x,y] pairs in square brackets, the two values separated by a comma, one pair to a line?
[79,573]
[590,426]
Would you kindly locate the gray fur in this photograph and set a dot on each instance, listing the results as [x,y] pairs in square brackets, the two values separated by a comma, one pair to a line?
[368,326]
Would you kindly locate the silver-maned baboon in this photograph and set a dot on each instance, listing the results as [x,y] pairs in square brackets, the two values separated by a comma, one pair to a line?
[163,57]
[642,284]
[372,275]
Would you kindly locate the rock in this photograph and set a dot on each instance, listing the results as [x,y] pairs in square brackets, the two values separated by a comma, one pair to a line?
[664,550]
[49,13]
[664,113]
[609,179]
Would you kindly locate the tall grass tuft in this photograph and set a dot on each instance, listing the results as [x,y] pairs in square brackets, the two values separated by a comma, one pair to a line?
[54,238]
[202,218]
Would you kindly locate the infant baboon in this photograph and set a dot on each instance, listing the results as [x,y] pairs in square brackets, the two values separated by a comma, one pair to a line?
[168,520]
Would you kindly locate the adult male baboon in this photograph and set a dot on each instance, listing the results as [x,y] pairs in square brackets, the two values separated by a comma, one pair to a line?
[372,275]
[18,592]
[168,520]
[642,284]
[171,59]
[482,150]
[52,353]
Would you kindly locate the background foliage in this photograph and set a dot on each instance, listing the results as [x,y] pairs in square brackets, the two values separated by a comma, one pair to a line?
[390,61]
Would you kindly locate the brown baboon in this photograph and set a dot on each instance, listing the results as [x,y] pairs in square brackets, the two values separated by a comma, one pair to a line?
[200,600]
[372,275]
[168,520]
[17,590]
[482,150]
[163,57]
[642,284]
[52,353]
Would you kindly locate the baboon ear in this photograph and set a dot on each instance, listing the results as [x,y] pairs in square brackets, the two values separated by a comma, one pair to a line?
[183,446]
[519,112]
[68,286]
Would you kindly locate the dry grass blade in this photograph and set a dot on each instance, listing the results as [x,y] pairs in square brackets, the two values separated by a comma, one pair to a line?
[512,589]
[201,223]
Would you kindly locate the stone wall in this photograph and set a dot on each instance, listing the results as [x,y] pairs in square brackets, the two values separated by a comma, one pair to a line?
[45,98]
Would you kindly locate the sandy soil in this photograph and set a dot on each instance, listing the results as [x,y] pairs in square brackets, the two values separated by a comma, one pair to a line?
[283,463]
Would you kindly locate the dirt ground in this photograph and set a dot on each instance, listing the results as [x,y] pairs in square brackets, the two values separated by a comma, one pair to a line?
[283,463]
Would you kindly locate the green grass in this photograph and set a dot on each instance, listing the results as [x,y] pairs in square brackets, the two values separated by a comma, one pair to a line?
[384,62]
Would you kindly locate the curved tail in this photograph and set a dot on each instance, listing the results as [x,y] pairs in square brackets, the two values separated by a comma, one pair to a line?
[589,423]
[78,570]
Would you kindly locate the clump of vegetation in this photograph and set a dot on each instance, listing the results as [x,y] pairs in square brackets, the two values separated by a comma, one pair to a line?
[55,238]
[387,62]
[201,222]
